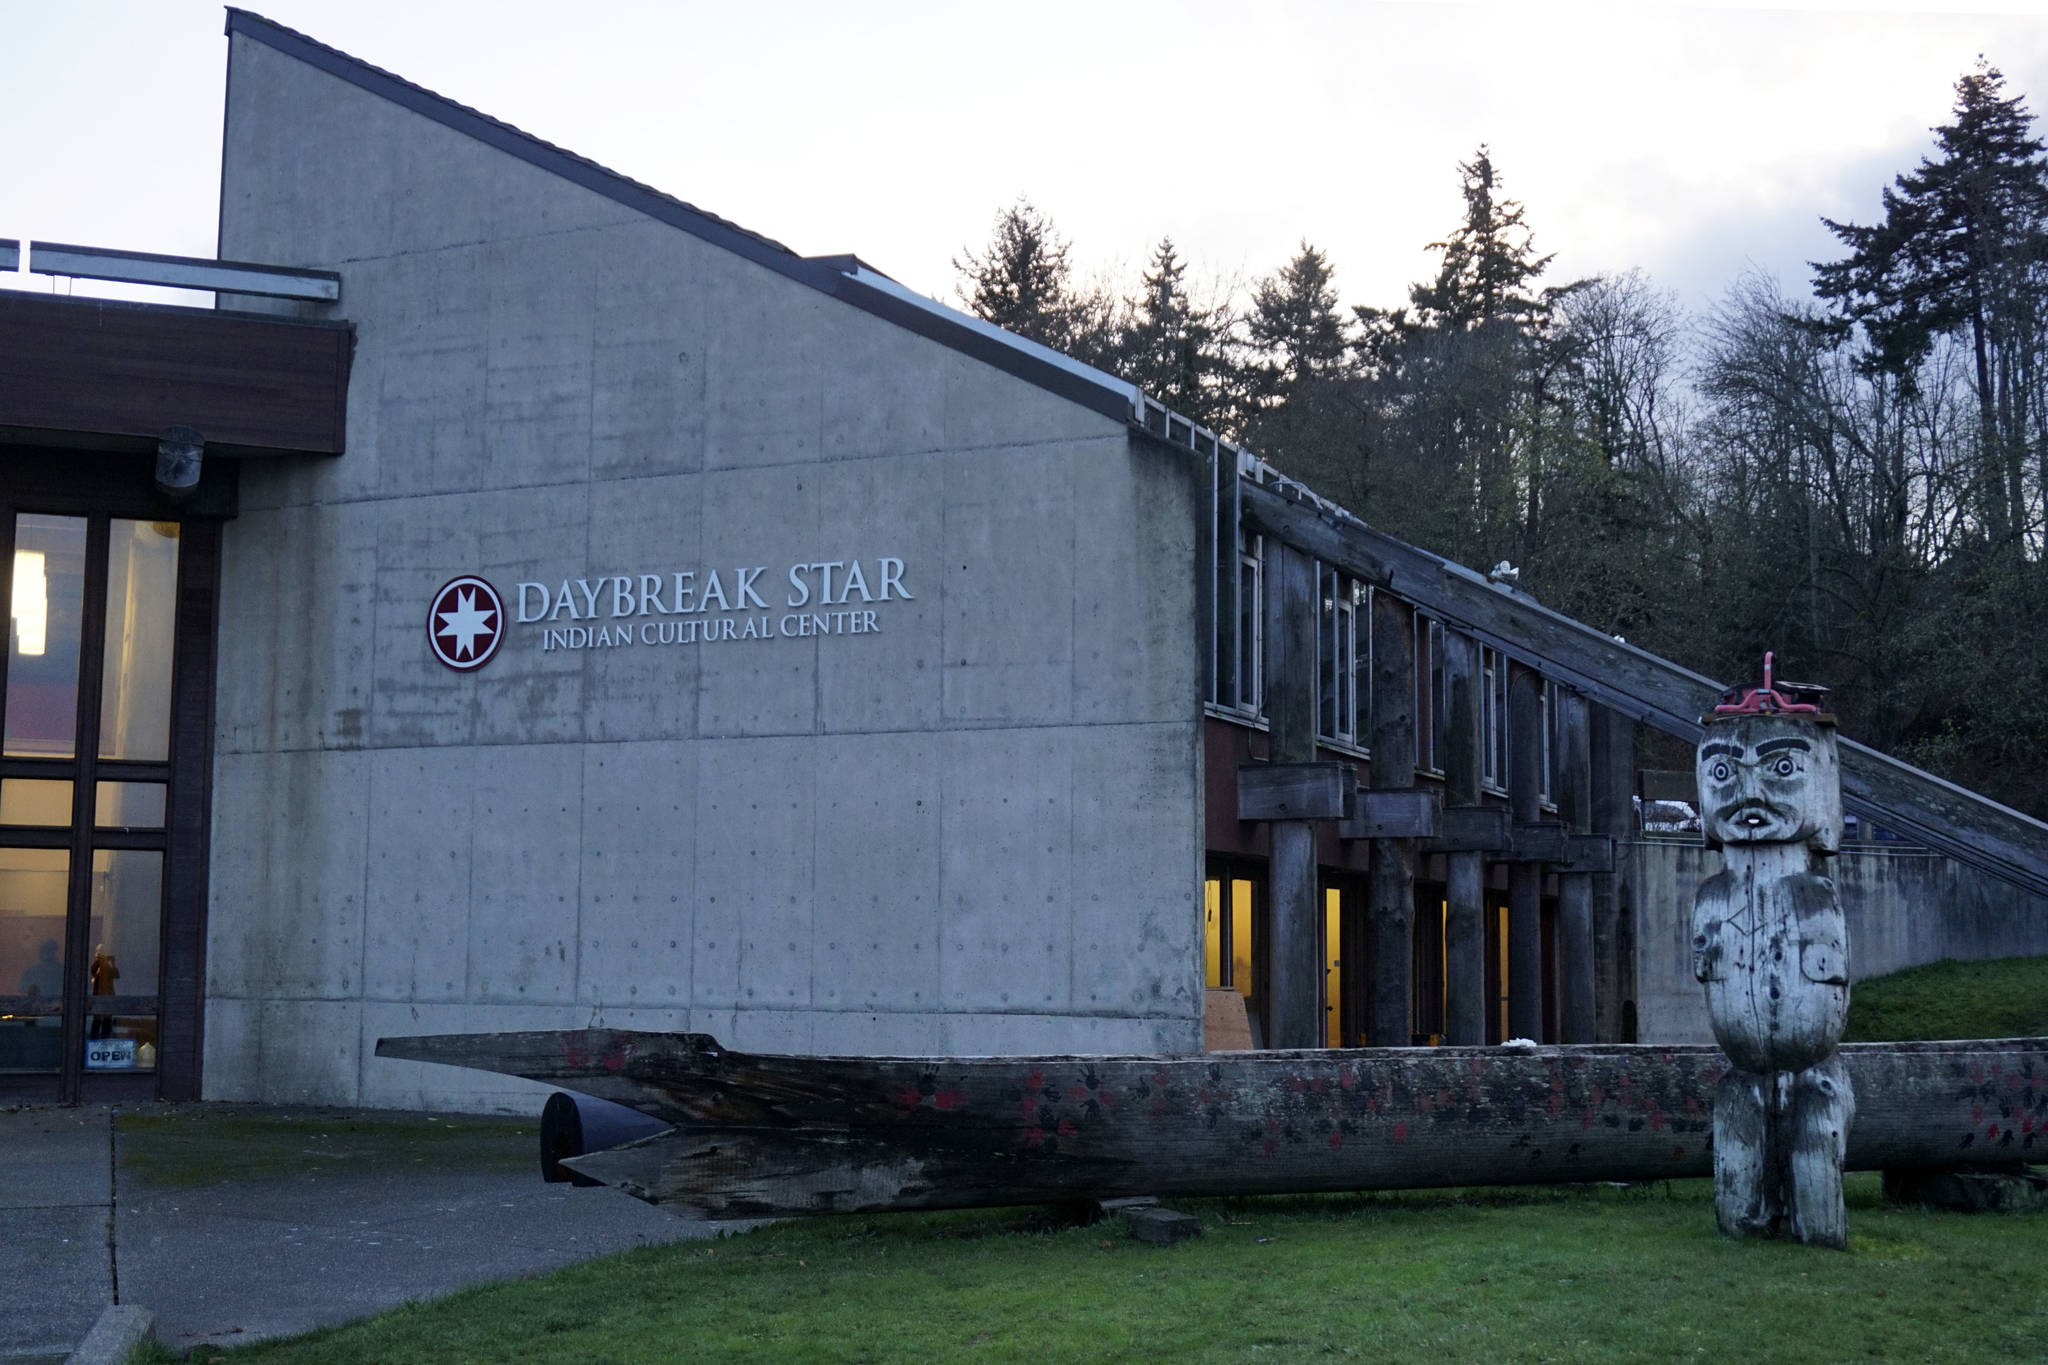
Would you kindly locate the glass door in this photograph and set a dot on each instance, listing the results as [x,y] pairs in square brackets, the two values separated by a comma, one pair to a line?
[86,739]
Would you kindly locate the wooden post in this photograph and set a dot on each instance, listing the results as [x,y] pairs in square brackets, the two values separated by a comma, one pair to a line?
[1390,903]
[1572,786]
[1525,879]
[1613,745]
[1294,1010]
[1464,872]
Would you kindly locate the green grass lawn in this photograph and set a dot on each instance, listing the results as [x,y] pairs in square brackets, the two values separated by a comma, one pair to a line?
[2006,997]
[1567,1273]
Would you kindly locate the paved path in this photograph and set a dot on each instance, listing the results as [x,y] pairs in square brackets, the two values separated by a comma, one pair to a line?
[231,1223]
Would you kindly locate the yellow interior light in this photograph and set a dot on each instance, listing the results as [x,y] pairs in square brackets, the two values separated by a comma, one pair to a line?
[31,609]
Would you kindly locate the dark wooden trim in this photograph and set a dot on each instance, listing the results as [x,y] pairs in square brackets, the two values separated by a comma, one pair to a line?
[188,816]
[1526,1014]
[75,481]
[99,370]
[92,654]
[1390,893]
[1970,828]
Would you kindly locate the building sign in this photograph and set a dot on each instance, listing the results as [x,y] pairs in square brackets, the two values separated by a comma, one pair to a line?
[466,623]
[700,606]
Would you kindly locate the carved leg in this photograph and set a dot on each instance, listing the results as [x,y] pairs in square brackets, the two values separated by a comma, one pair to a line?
[1745,1203]
[1822,1105]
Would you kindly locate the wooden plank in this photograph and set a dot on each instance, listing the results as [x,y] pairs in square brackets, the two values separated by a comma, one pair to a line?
[1393,813]
[1966,826]
[1586,854]
[1295,791]
[764,1135]
[1613,747]
[1472,829]
[75,369]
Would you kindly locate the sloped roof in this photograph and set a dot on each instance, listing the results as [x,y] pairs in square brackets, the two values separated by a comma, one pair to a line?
[845,278]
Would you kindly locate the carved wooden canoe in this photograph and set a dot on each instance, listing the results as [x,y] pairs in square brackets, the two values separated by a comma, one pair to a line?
[760,1135]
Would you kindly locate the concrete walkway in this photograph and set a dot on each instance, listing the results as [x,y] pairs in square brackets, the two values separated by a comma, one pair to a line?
[231,1223]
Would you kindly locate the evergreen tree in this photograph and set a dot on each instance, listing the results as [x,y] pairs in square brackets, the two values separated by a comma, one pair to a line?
[1488,264]
[1170,345]
[1023,282]
[1961,252]
[1299,410]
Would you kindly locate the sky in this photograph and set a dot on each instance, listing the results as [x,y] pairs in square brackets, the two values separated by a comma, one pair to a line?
[1693,143]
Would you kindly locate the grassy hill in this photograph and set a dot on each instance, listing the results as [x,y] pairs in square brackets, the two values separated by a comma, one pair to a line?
[2004,997]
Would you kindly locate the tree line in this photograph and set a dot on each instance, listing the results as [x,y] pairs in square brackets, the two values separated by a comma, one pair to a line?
[1852,473]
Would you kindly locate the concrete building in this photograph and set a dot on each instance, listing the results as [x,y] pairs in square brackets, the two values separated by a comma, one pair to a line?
[599,613]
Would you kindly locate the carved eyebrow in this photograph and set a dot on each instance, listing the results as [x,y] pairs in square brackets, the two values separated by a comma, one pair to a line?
[1727,750]
[1771,746]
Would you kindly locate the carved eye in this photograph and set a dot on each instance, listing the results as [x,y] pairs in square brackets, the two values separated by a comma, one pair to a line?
[1786,767]
[1720,772]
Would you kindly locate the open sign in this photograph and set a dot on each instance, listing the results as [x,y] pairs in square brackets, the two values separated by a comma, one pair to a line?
[110,1054]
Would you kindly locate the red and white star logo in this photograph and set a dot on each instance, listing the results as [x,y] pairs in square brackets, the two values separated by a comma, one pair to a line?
[466,623]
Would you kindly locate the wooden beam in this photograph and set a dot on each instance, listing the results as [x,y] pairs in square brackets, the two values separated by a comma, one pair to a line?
[1526,1012]
[1966,826]
[1390,890]
[1472,829]
[1393,813]
[1465,1000]
[1295,1010]
[97,372]
[1295,791]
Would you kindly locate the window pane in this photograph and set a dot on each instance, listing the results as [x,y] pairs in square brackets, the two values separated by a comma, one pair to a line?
[32,894]
[127,920]
[1212,933]
[121,1042]
[33,801]
[1241,936]
[46,597]
[142,584]
[129,805]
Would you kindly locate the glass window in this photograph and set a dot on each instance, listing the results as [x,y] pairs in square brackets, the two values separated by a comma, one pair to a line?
[128,805]
[142,589]
[1361,662]
[46,599]
[1250,640]
[34,801]
[33,883]
[127,921]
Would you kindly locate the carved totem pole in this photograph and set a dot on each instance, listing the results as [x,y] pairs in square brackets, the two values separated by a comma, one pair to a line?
[1769,942]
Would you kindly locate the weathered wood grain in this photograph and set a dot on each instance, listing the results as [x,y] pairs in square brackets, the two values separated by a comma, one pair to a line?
[1393,813]
[1294,791]
[1970,828]
[759,1135]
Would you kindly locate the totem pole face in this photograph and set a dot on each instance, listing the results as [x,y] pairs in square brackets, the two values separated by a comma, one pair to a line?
[1770,779]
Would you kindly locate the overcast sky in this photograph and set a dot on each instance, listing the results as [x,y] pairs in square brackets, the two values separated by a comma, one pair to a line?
[1687,141]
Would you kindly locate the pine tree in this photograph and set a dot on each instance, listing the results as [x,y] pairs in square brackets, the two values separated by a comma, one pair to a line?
[1298,408]
[1489,262]
[1023,282]
[1960,253]
[1171,346]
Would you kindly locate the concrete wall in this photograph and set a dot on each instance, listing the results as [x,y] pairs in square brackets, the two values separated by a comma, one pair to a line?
[1904,909]
[975,830]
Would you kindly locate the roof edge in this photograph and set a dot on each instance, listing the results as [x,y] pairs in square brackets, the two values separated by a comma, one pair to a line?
[1105,395]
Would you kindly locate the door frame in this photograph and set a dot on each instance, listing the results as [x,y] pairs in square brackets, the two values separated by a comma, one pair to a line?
[101,487]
